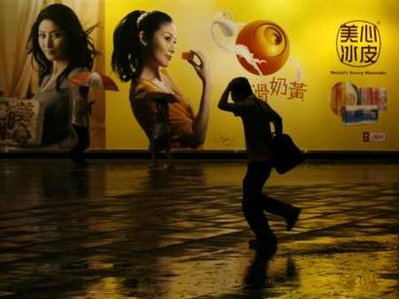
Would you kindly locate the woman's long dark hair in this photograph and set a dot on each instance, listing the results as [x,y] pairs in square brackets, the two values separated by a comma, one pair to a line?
[126,56]
[80,49]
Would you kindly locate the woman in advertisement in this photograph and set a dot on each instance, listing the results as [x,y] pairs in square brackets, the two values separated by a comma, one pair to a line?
[144,44]
[61,48]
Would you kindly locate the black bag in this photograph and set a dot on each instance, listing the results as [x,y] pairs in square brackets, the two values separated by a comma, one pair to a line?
[286,154]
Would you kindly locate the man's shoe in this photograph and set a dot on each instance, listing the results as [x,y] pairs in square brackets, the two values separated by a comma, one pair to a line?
[269,242]
[293,218]
[263,248]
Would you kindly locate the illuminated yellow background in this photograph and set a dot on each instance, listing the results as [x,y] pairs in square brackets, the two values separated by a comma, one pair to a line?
[311,26]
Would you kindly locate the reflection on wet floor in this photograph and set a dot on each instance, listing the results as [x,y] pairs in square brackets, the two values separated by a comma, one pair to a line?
[114,229]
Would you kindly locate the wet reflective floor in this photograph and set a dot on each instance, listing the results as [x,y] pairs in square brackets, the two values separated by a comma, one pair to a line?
[114,229]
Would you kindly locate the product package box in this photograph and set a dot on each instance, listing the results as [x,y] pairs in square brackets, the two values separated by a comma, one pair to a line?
[21,122]
[360,114]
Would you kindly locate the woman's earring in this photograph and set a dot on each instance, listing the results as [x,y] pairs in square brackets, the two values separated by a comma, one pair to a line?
[142,39]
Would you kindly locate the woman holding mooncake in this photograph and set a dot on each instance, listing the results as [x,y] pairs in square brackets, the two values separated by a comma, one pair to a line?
[144,44]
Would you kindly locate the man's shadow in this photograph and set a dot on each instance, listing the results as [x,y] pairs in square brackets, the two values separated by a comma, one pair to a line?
[258,283]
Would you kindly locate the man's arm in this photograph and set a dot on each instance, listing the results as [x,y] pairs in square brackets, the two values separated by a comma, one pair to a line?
[274,117]
[277,123]
[223,102]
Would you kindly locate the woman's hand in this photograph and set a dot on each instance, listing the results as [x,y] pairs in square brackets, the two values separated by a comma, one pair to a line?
[200,64]
[201,119]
